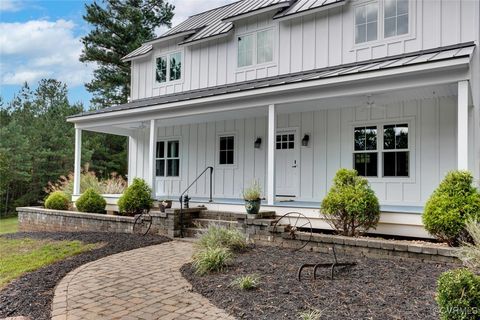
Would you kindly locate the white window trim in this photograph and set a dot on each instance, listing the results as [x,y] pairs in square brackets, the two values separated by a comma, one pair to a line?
[411,148]
[167,56]
[166,139]
[255,65]
[235,150]
[381,40]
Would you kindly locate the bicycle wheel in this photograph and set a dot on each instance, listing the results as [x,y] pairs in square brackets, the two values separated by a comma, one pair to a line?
[142,224]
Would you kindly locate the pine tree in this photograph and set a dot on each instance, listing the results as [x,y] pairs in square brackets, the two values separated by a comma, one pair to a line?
[119,27]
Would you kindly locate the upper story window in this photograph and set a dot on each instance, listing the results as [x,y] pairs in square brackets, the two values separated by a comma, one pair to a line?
[366,23]
[255,48]
[168,67]
[395,18]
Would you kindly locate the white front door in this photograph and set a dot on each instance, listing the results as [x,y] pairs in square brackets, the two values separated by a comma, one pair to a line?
[287,163]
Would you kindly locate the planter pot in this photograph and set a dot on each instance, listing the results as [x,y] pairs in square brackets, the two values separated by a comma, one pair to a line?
[252,206]
[166,204]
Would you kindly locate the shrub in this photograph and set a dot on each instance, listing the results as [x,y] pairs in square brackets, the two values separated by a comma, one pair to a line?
[310,315]
[217,236]
[211,259]
[453,203]
[254,192]
[91,201]
[458,295]
[470,253]
[350,205]
[136,199]
[247,282]
[57,200]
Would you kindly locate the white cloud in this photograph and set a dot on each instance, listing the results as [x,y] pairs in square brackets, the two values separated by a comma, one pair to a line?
[10,5]
[186,8]
[39,49]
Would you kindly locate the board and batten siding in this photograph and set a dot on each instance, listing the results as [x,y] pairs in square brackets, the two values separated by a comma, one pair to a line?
[304,43]
[432,130]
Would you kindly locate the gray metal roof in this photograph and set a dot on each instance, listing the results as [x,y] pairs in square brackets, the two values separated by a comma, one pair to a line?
[307,6]
[414,58]
[218,22]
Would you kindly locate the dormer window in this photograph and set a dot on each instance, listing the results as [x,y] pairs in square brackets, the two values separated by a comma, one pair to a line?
[396,17]
[168,67]
[366,23]
[255,48]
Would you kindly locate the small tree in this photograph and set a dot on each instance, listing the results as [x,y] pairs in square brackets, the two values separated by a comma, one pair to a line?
[350,205]
[454,202]
[136,199]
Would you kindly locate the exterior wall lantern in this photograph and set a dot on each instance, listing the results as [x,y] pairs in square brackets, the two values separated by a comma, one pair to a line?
[258,143]
[305,140]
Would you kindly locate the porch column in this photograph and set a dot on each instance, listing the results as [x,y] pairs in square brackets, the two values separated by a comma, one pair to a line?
[151,159]
[78,161]
[272,121]
[462,125]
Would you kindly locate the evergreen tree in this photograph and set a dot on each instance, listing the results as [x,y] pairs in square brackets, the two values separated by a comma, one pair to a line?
[119,27]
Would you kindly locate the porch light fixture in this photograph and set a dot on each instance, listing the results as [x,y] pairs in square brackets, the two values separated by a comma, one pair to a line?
[305,140]
[258,143]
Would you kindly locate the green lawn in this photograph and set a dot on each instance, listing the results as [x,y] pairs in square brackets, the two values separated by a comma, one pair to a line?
[19,256]
[8,225]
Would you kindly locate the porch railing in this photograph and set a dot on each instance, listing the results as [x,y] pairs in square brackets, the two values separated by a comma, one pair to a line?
[188,188]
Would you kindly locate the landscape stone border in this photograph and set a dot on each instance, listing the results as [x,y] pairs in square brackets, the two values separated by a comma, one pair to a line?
[258,229]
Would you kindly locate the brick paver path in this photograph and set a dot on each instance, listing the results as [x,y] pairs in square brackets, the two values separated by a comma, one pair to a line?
[140,284]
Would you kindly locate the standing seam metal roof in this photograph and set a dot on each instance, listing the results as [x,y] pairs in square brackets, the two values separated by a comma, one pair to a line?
[215,22]
[408,59]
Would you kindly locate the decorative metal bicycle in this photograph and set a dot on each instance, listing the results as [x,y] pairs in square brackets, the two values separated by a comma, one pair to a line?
[294,226]
[142,223]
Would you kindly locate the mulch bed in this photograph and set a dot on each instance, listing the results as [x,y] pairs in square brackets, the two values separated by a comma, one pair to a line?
[31,295]
[373,289]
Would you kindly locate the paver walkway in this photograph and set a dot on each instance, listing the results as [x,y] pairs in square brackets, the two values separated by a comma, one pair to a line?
[140,284]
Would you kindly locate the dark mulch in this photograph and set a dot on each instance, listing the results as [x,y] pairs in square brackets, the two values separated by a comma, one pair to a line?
[31,295]
[373,289]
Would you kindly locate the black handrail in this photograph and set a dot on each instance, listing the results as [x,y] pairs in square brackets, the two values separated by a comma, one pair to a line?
[188,188]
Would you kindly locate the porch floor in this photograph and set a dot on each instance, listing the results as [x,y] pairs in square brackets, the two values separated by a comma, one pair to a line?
[300,204]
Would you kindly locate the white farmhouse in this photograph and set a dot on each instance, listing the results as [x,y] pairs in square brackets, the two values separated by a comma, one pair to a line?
[287,92]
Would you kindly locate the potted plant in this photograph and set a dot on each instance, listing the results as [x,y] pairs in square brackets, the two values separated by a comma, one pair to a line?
[165,204]
[252,196]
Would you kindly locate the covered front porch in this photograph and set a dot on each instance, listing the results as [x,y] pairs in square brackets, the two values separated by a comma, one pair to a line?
[293,138]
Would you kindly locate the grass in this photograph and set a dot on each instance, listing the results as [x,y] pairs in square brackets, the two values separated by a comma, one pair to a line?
[20,256]
[218,236]
[211,259]
[8,225]
[310,315]
[247,282]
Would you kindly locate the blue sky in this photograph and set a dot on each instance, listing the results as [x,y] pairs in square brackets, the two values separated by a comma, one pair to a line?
[41,39]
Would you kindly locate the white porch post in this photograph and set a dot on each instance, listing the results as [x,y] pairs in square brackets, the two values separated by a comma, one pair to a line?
[272,121]
[462,126]
[78,161]
[151,160]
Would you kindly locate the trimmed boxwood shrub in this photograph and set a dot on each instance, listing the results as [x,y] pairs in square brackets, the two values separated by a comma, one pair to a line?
[58,201]
[91,201]
[351,205]
[136,199]
[458,295]
[454,202]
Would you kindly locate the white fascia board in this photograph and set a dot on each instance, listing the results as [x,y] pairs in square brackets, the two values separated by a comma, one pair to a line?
[173,36]
[107,129]
[302,86]
[187,42]
[309,11]
[257,12]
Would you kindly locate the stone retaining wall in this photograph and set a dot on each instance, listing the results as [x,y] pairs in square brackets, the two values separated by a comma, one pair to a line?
[40,219]
[261,231]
